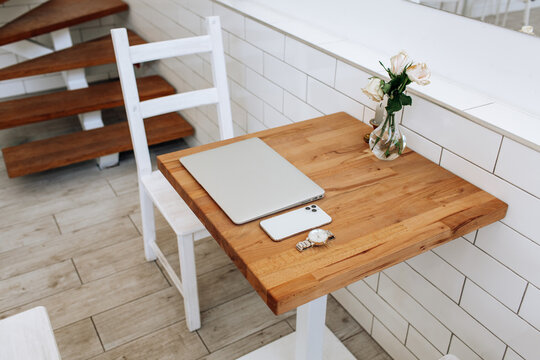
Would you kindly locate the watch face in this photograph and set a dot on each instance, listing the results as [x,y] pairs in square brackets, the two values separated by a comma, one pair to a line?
[318,236]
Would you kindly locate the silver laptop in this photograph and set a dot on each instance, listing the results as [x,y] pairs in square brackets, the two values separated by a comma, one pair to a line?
[249,180]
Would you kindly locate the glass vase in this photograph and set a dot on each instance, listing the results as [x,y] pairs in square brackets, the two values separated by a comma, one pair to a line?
[387,142]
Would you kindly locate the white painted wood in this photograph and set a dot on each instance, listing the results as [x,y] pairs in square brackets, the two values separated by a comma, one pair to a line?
[176,102]
[28,336]
[170,48]
[310,326]
[76,79]
[61,39]
[283,349]
[148,222]
[131,101]
[168,268]
[27,49]
[154,189]
[219,74]
[189,281]
[182,220]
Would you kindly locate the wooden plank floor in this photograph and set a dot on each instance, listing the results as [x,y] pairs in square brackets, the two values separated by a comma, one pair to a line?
[70,240]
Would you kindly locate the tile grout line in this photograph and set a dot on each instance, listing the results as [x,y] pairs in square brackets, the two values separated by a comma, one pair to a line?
[498,154]
[77,271]
[112,188]
[462,289]
[159,266]
[492,174]
[97,333]
[475,283]
[523,299]
[202,340]
[134,225]
[57,225]
[393,335]
[465,311]
[450,342]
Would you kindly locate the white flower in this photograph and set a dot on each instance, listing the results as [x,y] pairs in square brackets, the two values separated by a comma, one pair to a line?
[373,90]
[399,62]
[527,29]
[419,73]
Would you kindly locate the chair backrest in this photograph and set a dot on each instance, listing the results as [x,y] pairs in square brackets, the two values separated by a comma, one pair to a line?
[138,110]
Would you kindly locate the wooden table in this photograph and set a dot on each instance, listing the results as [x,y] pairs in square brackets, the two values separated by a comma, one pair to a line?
[383,213]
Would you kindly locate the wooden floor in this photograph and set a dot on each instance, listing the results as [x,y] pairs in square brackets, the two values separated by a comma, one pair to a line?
[70,240]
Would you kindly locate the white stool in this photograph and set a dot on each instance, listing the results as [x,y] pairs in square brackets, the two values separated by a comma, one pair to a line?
[28,336]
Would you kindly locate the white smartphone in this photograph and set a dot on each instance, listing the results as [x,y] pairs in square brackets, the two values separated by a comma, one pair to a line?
[294,222]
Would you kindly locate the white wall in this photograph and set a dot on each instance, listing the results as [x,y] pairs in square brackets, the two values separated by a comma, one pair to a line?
[476,297]
[490,59]
[83,32]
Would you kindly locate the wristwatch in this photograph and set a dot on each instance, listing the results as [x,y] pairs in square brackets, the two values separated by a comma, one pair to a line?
[315,237]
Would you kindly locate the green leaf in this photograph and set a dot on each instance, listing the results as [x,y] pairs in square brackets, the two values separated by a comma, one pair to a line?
[386,87]
[385,68]
[405,99]
[394,105]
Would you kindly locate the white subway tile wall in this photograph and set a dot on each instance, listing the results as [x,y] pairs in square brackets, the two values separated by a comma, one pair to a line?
[358,311]
[373,281]
[390,343]
[420,347]
[82,32]
[439,273]
[485,271]
[477,298]
[414,313]
[512,355]
[514,165]
[530,309]
[380,308]
[285,76]
[349,79]
[462,351]
[269,40]
[472,141]
[329,101]
[297,110]
[311,61]
[514,331]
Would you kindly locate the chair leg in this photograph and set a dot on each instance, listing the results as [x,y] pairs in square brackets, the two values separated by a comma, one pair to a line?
[527,13]
[148,223]
[189,281]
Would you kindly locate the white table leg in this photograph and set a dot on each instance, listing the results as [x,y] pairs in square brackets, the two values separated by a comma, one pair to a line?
[310,329]
[312,340]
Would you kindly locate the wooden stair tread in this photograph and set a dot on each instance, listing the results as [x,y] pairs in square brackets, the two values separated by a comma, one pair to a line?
[65,103]
[57,14]
[92,53]
[72,148]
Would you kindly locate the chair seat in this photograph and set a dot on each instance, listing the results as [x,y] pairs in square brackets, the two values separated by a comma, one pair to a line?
[170,204]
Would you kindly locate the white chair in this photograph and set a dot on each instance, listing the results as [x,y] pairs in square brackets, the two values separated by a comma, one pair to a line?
[154,189]
[526,12]
[458,4]
[28,335]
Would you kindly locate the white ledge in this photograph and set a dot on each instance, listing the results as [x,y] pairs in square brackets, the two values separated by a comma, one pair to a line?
[482,109]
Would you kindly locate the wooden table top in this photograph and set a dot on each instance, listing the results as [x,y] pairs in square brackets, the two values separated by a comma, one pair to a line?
[383,212]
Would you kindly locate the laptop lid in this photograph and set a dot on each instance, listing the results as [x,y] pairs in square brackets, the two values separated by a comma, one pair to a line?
[248,179]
